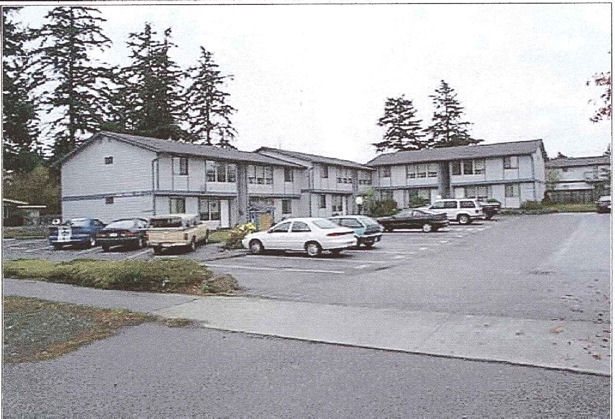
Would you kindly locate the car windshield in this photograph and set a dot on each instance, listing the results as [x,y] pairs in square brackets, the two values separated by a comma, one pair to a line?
[166,222]
[369,221]
[78,222]
[324,223]
[121,224]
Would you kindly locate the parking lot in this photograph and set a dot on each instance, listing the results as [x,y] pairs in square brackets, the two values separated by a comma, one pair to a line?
[542,267]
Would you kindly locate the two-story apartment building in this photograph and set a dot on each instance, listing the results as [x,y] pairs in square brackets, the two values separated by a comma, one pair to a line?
[114,175]
[511,172]
[578,179]
[330,186]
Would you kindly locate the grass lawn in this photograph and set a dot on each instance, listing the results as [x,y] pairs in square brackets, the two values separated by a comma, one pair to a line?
[25,232]
[36,330]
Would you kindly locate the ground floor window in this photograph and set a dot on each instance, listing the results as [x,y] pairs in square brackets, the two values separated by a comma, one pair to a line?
[386,195]
[209,209]
[177,205]
[337,203]
[511,191]
[418,197]
[323,201]
[477,192]
[287,206]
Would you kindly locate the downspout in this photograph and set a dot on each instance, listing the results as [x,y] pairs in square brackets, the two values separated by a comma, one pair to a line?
[154,185]
[310,187]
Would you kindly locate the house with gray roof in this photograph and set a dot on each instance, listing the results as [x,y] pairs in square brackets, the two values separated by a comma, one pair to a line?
[578,179]
[511,172]
[115,175]
[330,185]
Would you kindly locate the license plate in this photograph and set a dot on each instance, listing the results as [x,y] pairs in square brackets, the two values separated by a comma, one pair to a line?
[64,234]
[113,235]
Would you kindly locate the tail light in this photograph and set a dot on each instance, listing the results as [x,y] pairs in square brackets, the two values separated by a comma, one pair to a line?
[339,234]
[101,235]
[185,236]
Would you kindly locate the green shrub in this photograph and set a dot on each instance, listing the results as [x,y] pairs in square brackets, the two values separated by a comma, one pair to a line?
[382,208]
[417,201]
[159,275]
[531,205]
[237,234]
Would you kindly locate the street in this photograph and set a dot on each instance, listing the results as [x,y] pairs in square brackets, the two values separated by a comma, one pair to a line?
[534,268]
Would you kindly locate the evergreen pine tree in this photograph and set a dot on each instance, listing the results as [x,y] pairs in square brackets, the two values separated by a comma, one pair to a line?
[67,38]
[448,129]
[19,118]
[148,98]
[403,130]
[209,115]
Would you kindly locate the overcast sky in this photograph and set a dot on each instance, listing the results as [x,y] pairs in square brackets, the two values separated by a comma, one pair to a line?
[314,78]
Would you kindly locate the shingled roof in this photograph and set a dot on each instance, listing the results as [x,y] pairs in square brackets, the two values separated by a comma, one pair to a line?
[186,149]
[460,152]
[578,161]
[314,158]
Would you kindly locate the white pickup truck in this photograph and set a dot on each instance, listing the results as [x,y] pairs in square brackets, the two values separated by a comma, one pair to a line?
[176,230]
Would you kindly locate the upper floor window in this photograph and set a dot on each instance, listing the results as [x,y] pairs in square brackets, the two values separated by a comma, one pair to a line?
[260,175]
[220,172]
[385,171]
[324,172]
[288,174]
[365,178]
[511,162]
[109,160]
[180,166]
[469,167]
[344,175]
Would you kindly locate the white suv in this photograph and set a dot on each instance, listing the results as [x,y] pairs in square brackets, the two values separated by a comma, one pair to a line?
[462,210]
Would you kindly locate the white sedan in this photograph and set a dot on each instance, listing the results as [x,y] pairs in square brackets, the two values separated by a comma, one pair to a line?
[312,235]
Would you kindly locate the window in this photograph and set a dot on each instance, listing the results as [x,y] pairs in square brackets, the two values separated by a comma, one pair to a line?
[324,172]
[109,160]
[220,172]
[410,171]
[385,171]
[456,168]
[421,171]
[432,170]
[467,167]
[286,206]
[260,175]
[336,201]
[438,205]
[450,204]
[511,191]
[478,192]
[386,195]
[350,223]
[177,205]
[300,227]
[479,167]
[466,204]
[281,228]
[344,175]
[511,162]
[365,178]
[323,201]
[180,166]
[209,209]
[288,174]
[109,200]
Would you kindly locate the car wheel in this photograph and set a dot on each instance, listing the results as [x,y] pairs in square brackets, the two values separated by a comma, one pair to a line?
[256,247]
[369,245]
[427,228]
[464,219]
[92,241]
[313,249]
[206,239]
[57,246]
[157,250]
[142,242]
[105,248]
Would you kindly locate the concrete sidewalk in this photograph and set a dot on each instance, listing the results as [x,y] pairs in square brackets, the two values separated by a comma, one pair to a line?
[567,345]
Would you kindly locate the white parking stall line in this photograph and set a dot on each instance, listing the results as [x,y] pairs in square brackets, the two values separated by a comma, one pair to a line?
[423,248]
[318,259]
[16,248]
[361,266]
[38,249]
[444,241]
[262,268]
[139,254]
[89,250]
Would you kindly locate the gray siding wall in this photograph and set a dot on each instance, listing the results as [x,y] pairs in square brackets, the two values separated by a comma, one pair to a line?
[122,207]
[87,174]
